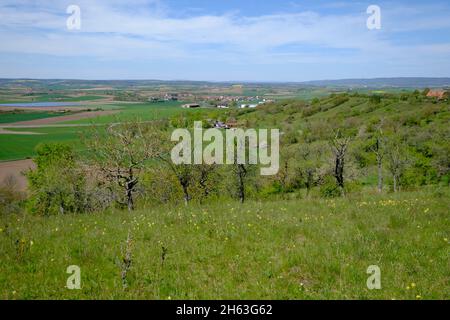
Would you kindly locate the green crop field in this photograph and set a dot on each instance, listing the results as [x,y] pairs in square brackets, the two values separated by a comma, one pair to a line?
[140,111]
[17,98]
[9,117]
[22,146]
[18,146]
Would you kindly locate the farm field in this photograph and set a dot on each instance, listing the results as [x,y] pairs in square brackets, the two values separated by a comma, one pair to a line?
[11,98]
[15,146]
[296,249]
[140,111]
[25,116]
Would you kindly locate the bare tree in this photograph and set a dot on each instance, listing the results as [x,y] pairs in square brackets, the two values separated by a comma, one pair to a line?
[396,161]
[378,150]
[307,167]
[339,146]
[121,153]
[185,176]
[311,165]
[241,171]
[284,175]
[205,171]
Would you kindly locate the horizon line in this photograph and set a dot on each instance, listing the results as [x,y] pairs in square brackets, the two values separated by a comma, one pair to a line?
[225,81]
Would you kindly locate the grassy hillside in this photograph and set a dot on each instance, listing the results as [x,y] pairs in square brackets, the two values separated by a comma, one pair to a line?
[302,249]
[351,110]
[296,235]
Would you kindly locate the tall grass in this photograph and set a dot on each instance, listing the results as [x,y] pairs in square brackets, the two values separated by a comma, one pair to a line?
[296,249]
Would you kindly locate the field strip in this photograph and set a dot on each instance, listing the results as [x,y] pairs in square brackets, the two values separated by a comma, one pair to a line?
[3,131]
[52,120]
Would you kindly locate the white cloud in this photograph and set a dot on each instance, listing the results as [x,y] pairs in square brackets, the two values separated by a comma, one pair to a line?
[145,30]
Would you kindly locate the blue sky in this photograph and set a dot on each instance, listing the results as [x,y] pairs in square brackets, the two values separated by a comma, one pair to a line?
[224,40]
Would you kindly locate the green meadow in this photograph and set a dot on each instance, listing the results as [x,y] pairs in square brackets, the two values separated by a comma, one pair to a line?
[296,249]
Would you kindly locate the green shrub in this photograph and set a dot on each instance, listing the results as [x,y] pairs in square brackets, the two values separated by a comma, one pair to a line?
[57,185]
[329,189]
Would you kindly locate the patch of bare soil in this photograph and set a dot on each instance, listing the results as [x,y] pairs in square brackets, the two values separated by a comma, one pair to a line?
[15,169]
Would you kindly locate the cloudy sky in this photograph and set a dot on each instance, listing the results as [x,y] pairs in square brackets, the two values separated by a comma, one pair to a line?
[224,40]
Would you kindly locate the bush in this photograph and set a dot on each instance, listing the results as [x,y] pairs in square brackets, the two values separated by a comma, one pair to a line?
[57,185]
[329,189]
[10,198]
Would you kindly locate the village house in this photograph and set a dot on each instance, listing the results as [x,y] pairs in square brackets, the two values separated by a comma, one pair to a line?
[439,94]
[190,105]
[222,105]
[243,106]
[220,125]
[171,97]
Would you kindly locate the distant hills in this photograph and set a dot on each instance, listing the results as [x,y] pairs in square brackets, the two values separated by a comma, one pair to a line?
[383,82]
[412,82]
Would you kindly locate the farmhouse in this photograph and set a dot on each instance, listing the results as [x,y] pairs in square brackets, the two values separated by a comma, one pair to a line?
[171,97]
[190,105]
[222,105]
[440,94]
[220,125]
[248,106]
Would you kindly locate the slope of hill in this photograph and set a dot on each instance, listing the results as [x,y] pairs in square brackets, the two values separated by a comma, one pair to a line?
[384,82]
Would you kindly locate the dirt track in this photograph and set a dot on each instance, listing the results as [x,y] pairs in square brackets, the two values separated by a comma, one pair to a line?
[15,169]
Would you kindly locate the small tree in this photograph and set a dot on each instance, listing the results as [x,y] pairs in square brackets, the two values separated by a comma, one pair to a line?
[378,149]
[397,160]
[309,163]
[185,177]
[240,171]
[122,152]
[339,146]
[205,173]
[57,185]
